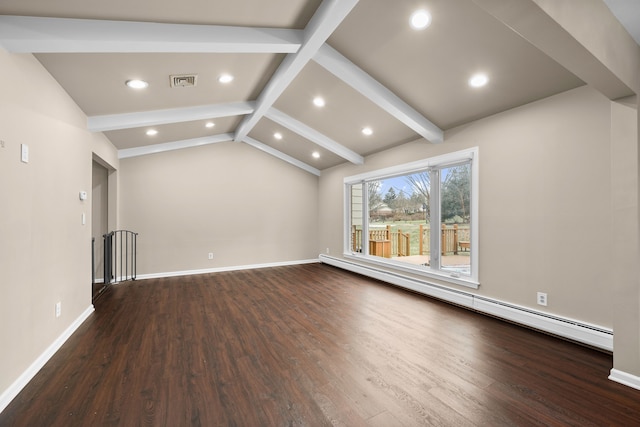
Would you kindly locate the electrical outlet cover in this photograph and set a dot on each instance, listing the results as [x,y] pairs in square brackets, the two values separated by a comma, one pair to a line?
[542,298]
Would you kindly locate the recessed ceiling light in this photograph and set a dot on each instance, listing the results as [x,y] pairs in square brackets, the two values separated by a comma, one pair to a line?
[367,131]
[210,124]
[318,101]
[478,80]
[420,19]
[277,135]
[225,78]
[137,84]
[152,132]
[315,155]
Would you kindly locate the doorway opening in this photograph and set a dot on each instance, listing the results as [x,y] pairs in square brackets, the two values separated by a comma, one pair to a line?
[99,225]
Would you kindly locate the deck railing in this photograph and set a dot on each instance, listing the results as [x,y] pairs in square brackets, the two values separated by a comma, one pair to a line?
[453,239]
[399,243]
[402,243]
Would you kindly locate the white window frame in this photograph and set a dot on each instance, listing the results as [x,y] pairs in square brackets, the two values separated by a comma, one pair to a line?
[405,169]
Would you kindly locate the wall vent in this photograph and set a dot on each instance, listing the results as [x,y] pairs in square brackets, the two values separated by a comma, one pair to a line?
[183,80]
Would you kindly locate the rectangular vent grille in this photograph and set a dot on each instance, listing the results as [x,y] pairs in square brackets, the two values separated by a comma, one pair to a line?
[184,80]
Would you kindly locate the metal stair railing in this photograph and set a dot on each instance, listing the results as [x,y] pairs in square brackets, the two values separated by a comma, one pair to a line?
[120,256]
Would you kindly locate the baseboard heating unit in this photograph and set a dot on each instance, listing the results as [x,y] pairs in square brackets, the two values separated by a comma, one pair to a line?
[580,332]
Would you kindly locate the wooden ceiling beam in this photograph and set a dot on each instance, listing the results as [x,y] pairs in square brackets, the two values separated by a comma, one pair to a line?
[173,145]
[26,34]
[326,19]
[280,155]
[313,135]
[172,115]
[341,67]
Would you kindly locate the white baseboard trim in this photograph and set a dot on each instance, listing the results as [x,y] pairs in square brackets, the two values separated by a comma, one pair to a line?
[221,269]
[423,287]
[624,378]
[9,394]
[592,335]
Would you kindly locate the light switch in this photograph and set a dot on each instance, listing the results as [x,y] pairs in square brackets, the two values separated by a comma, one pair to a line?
[24,153]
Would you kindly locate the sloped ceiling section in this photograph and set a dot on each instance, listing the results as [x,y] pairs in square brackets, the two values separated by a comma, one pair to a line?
[628,13]
[370,67]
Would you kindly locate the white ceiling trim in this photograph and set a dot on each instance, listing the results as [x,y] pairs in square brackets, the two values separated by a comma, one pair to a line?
[269,150]
[174,145]
[22,34]
[341,67]
[313,136]
[326,19]
[172,115]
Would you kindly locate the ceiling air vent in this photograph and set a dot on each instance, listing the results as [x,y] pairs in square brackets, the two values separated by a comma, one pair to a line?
[183,80]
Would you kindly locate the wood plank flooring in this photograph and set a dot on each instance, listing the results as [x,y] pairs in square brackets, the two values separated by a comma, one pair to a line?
[311,345]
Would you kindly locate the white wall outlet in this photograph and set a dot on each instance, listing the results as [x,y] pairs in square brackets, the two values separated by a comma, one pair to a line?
[1,143]
[58,309]
[542,298]
[327,250]
[210,255]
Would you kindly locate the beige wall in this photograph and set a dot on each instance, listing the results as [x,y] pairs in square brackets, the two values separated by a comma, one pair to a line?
[45,251]
[244,206]
[593,26]
[545,215]
[624,202]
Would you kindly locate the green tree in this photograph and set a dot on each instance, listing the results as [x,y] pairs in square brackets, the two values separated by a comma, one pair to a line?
[456,192]
[390,198]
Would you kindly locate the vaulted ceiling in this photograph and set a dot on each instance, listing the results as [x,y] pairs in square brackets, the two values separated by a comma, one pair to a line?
[372,69]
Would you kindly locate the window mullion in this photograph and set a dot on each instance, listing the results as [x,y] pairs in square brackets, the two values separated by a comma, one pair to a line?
[434,219]
[365,218]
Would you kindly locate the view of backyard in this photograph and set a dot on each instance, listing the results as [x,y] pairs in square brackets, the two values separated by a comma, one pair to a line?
[401,209]
[402,241]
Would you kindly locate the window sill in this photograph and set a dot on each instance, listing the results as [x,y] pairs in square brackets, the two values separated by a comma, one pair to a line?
[442,276]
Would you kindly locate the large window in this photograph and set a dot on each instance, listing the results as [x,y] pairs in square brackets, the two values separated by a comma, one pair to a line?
[420,217]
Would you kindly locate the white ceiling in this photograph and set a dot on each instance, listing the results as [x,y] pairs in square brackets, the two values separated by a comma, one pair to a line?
[361,56]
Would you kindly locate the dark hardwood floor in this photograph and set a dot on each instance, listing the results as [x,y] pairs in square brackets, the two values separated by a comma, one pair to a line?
[96,290]
[311,345]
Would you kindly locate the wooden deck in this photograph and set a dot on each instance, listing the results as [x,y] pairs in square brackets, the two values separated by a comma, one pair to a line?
[311,345]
